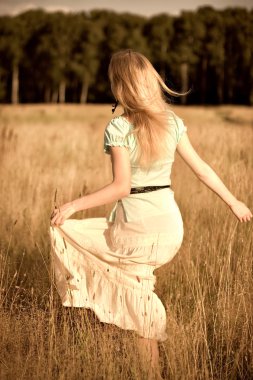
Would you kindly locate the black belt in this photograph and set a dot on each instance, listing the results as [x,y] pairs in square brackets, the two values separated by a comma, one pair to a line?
[146,189]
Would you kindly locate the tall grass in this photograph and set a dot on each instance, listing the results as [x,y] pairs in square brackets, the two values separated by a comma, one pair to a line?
[207,289]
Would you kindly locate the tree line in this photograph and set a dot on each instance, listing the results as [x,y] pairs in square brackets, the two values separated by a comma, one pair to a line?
[63,57]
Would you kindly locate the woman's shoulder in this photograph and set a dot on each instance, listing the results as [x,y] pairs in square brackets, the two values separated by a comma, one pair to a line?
[177,124]
[174,118]
[119,125]
[117,134]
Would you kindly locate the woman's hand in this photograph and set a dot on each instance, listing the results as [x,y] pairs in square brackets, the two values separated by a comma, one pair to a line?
[59,215]
[241,211]
[208,176]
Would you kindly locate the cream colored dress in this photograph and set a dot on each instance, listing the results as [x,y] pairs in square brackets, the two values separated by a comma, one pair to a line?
[107,264]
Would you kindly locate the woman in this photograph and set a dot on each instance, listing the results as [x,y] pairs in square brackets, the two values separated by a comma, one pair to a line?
[108,265]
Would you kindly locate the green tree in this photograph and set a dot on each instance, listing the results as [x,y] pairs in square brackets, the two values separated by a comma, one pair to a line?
[188,32]
[238,55]
[211,54]
[134,37]
[85,53]
[50,48]
[119,31]
[12,40]
[158,31]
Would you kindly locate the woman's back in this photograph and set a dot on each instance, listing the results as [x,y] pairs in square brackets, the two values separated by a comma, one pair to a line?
[119,133]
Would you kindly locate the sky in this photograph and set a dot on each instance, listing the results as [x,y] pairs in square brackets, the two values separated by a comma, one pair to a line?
[142,7]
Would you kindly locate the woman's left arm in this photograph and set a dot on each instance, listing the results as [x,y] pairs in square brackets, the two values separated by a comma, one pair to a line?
[119,188]
[208,176]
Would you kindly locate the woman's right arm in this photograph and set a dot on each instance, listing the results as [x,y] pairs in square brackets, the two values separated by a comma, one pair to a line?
[119,188]
[208,176]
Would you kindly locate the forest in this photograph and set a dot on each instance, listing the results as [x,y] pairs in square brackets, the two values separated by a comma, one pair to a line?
[63,57]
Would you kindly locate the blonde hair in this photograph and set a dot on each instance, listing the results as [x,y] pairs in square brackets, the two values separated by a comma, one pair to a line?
[138,87]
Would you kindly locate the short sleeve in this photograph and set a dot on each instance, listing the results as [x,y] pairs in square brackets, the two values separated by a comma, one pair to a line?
[115,135]
[180,129]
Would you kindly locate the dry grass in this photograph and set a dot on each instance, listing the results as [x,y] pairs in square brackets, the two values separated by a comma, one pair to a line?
[207,289]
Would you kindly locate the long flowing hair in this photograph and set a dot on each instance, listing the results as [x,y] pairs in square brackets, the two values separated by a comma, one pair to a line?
[140,90]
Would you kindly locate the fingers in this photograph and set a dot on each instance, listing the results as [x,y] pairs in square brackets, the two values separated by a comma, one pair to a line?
[246,218]
[57,218]
[57,222]
[242,212]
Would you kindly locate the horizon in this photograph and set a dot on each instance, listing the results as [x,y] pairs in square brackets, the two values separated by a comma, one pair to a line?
[15,7]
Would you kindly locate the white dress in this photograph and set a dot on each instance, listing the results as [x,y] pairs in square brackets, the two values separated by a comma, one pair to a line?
[108,265]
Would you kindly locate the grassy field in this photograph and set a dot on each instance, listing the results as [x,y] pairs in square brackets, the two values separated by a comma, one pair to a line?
[49,151]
